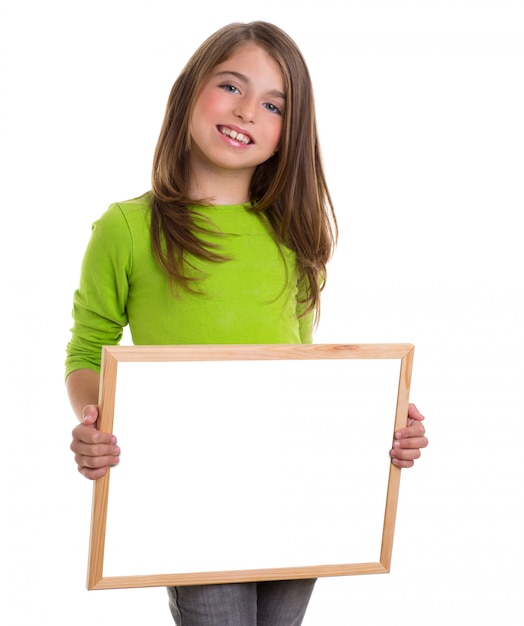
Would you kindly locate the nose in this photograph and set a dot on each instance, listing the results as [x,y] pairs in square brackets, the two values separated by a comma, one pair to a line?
[245,110]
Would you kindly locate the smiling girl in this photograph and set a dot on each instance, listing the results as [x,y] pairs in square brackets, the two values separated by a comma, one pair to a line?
[229,246]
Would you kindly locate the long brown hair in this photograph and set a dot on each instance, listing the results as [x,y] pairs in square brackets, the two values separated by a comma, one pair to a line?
[290,187]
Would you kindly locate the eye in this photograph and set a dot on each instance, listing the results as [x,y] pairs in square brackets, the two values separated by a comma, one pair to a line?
[229,88]
[272,108]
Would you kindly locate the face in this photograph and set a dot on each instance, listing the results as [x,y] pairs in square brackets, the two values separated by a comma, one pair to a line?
[238,115]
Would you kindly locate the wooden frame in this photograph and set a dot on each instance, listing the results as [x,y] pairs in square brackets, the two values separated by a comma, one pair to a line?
[112,362]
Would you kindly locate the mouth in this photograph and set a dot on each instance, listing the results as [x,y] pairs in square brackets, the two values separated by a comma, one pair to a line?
[237,136]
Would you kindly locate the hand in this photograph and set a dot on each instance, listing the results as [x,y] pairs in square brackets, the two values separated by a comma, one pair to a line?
[95,451]
[409,440]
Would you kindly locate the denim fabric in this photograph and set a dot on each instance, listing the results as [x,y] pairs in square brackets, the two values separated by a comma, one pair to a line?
[280,603]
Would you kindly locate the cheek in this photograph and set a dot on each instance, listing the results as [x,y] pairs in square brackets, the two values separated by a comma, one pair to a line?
[208,104]
[276,134]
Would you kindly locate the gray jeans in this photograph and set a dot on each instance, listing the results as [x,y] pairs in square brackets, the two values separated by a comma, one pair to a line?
[280,603]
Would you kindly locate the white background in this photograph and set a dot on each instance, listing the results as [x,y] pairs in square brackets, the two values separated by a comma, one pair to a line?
[420,111]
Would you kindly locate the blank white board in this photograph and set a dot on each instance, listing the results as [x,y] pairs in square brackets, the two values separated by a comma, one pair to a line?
[247,462]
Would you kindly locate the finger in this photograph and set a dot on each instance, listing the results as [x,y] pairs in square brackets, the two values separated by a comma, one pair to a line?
[405,454]
[410,443]
[95,467]
[90,435]
[413,430]
[82,449]
[96,462]
[402,464]
[93,474]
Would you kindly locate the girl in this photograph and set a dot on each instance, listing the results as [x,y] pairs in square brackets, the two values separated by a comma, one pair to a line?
[229,246]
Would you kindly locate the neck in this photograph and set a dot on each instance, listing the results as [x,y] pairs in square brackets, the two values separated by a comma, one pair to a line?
[220,186]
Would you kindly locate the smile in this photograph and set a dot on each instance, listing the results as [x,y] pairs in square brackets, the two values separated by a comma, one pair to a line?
[229,132]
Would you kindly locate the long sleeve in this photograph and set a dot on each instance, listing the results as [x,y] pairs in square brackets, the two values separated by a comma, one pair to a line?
[99,305]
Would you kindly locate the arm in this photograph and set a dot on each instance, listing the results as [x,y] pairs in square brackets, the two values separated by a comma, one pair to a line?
[99,314]
[95,451]
[82,389]
[409,440]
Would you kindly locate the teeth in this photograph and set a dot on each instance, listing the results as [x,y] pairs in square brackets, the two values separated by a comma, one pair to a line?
[229,132]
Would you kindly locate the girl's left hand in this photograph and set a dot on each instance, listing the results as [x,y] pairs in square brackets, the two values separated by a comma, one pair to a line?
[409,440]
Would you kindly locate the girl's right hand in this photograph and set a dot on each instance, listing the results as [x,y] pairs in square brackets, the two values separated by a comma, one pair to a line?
[95,451]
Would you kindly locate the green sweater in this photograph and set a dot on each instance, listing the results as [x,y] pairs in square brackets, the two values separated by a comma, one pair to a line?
[251,298]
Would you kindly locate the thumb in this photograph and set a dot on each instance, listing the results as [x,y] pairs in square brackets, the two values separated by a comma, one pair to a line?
[90,415]
[414,413]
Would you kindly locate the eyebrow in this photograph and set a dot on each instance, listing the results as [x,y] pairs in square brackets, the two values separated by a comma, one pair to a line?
[242,77]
